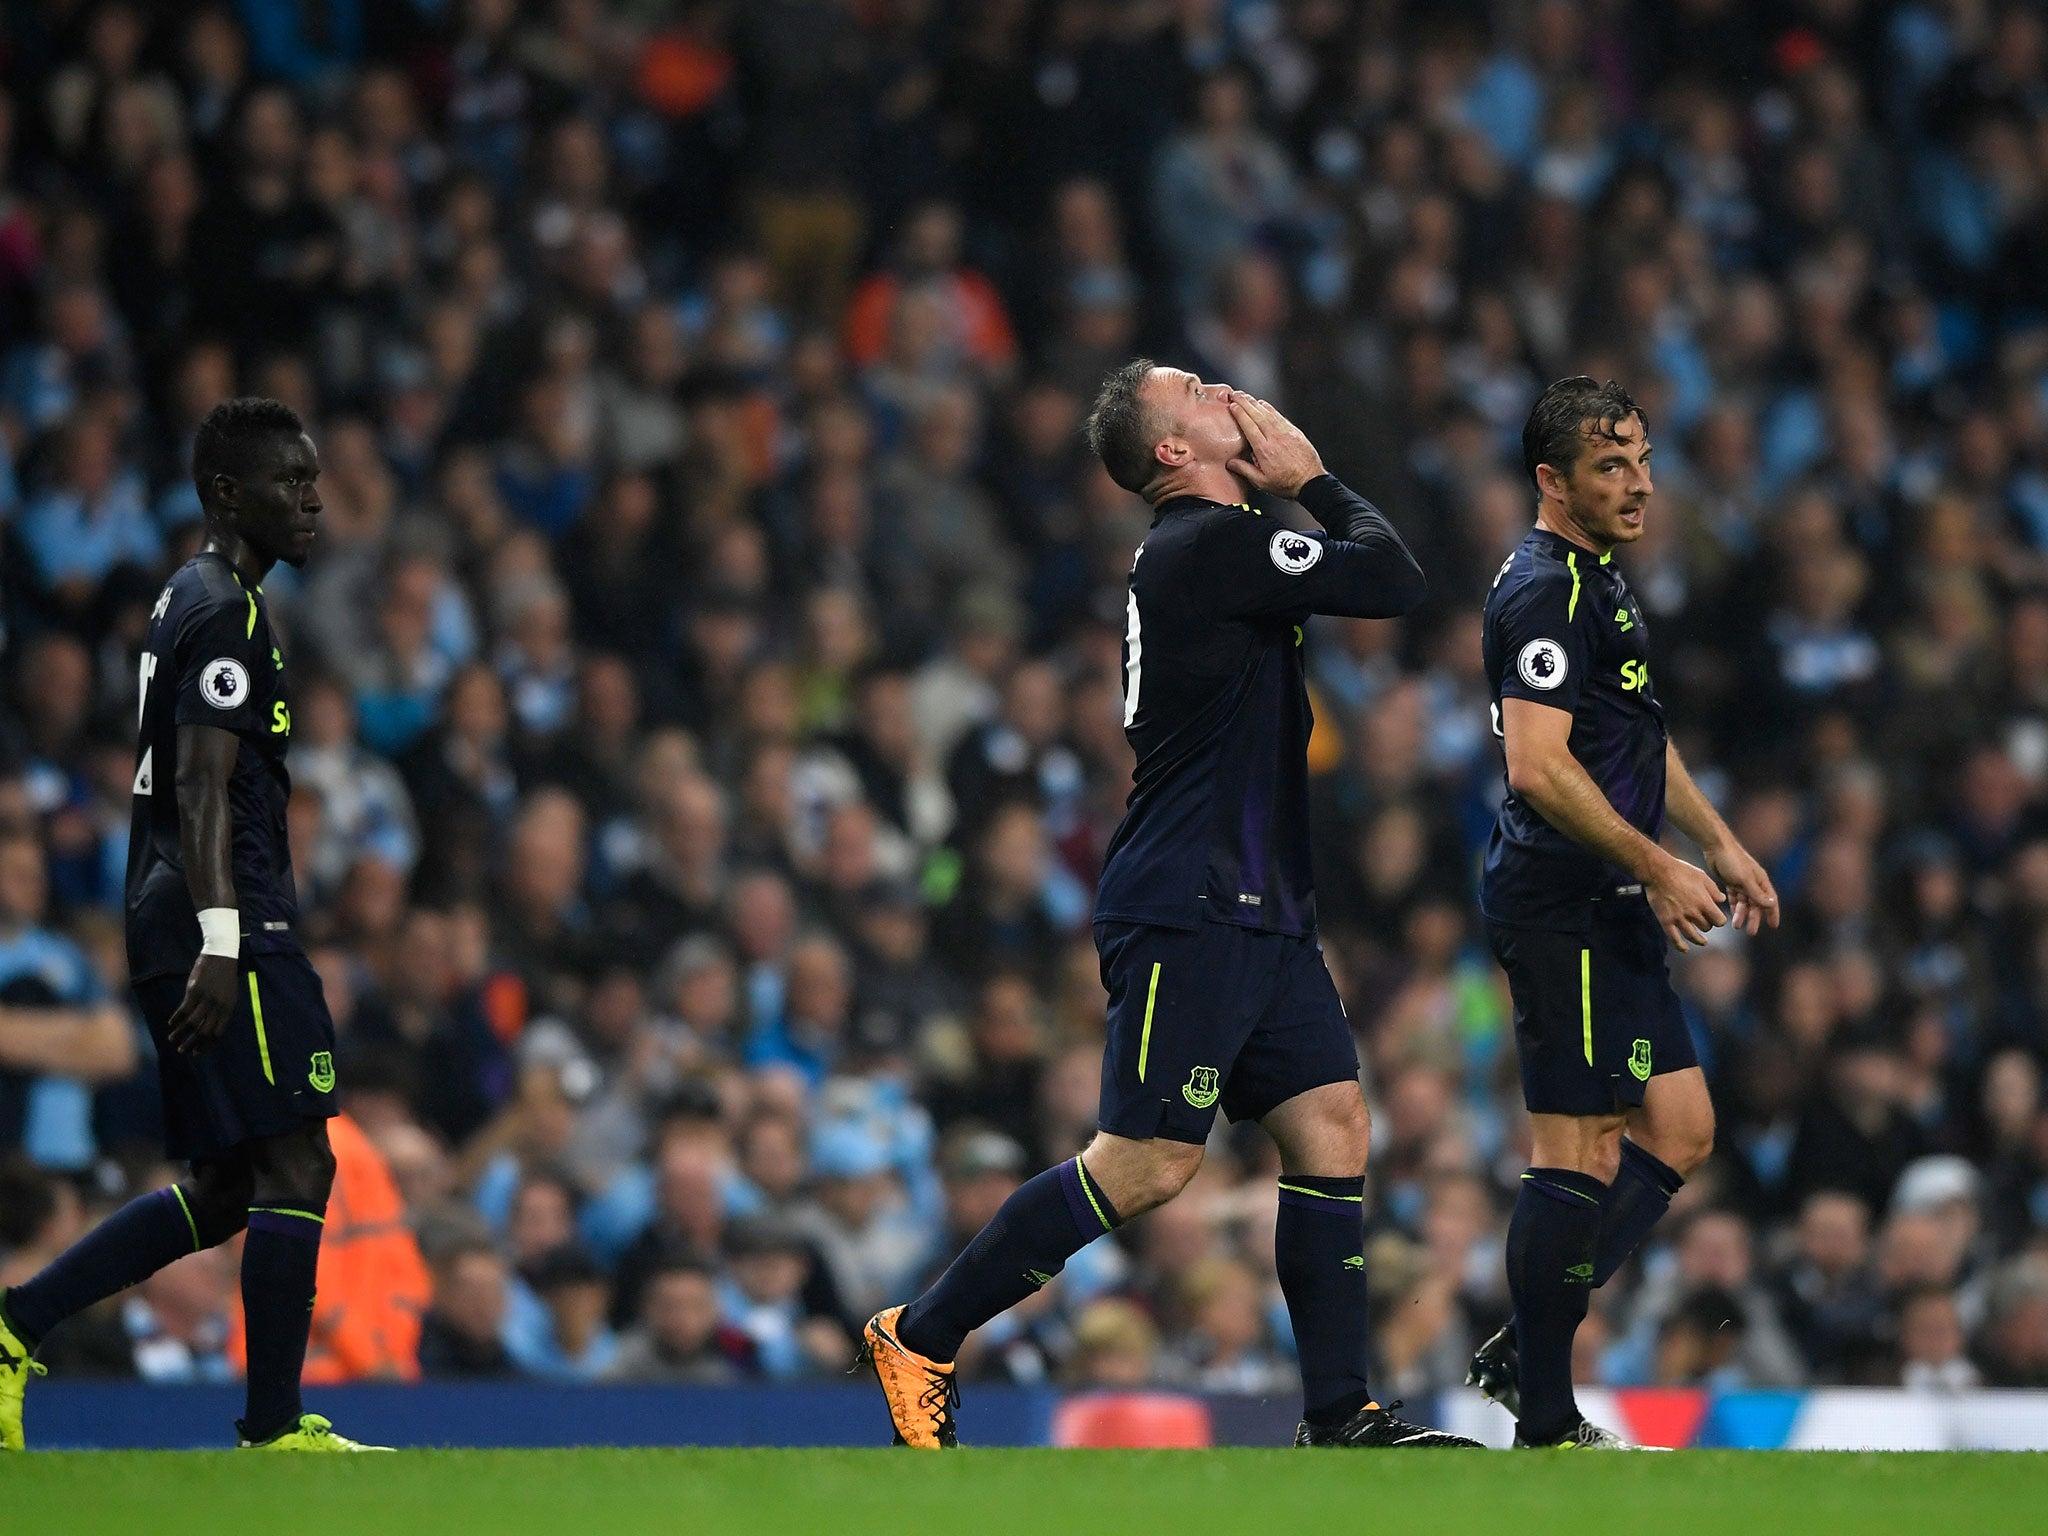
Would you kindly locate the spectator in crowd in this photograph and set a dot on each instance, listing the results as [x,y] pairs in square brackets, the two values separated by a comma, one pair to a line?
[1710,1280]
[1826,1292]
[1115,1346]
[1932,1355]
[763,1297]
[1226,1348]
[463,1333]
[91,519]
[680,1337]
[178,1320]
[573,1341]
[859,1221]
[60,1034]
[2014,1343]
[688,1217]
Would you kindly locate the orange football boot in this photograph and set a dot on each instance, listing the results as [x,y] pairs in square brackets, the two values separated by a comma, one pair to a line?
[923,1396]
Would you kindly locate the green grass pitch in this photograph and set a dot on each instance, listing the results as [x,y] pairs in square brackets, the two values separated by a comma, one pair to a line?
[1031,1493]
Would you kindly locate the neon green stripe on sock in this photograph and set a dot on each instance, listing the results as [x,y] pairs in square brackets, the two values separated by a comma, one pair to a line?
[187,1209]
[285,1210]
[1298,1189]
[1093,1204]
[1576,1194]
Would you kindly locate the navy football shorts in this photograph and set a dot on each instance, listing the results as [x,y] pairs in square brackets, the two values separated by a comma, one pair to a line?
[1595,1014]
[1221,1015]
[271,1071]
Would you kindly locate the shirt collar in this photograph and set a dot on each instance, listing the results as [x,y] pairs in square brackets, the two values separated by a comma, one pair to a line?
[1174,504]
[1561,546]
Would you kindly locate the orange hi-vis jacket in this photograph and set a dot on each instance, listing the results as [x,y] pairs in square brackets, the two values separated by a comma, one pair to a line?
[373,1287]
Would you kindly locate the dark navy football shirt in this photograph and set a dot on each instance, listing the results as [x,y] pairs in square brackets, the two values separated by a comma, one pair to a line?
[211,660]
[1216,703]
[1562,629]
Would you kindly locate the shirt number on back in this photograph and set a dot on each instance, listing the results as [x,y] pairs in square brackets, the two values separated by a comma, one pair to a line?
[145,775]
[1133,650]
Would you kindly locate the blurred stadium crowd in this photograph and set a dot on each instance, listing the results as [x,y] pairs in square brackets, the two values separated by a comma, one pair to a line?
[707,682]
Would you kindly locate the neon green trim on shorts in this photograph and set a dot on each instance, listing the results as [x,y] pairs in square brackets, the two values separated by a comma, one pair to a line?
[1586,999]
[1145,1038]
[262,1040]
[285,1210]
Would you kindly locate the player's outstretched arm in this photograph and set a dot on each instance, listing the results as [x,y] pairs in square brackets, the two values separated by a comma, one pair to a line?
[1542,770]
[1754,900]
[206,756]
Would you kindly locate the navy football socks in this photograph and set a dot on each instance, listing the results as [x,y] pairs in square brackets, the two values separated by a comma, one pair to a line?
[279,1263]
[128,1247]
[1319,1250]
[1634,1203]
[1552,1238]
[1044,1223]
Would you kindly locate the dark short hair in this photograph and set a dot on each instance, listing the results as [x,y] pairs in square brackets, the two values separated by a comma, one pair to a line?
[467,1247]
[570,1264]
[1567,414]
[1117,427]
[232,433]
[676,1257]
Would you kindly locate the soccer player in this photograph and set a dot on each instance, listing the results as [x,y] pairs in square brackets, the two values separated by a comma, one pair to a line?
[1579,899]
[1205,920]
[244,1042]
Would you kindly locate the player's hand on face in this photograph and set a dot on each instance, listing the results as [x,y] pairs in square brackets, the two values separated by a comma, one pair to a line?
[1686,901]
[1278,455]
[1754,900]
[209,1002]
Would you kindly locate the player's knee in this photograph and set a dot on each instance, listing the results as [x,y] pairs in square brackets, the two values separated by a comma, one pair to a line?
[1688,1149]
[1153,1173]
[1351,1131]
[1334,1143]
[316,1172]
[217,1198]
[1696,1156]
[1168,1171]
[1589,1144]
[298,1167]
[1680,1129]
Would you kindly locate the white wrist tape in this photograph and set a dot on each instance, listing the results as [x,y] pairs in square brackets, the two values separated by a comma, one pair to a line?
[220,932]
